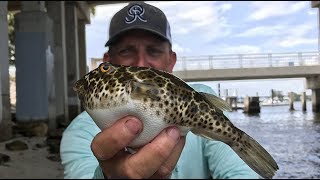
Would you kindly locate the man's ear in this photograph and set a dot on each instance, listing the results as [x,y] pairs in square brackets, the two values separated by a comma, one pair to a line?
[172,62]
[106,57]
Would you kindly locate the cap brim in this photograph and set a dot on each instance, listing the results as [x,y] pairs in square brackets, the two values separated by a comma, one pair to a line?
[112,39]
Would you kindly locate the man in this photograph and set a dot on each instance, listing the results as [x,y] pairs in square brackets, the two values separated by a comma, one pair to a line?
[139,35]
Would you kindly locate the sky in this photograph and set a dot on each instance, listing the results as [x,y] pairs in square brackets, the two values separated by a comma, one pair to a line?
[204,28]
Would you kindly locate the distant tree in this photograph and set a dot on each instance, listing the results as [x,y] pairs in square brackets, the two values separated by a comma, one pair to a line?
[278,94]
[93,10]
[296,97]
[10,18]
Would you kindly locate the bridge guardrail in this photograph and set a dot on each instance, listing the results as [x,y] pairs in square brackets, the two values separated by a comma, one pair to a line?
[229,61]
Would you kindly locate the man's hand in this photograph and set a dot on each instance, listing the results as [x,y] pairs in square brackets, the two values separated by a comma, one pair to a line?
[154,160]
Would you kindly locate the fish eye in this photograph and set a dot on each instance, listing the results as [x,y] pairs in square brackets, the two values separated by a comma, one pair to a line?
[105,67]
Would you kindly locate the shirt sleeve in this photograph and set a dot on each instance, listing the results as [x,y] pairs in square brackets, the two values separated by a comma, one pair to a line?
[224,163]
[75,149]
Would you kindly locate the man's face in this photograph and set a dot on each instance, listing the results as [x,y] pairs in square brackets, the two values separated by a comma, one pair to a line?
[140,48]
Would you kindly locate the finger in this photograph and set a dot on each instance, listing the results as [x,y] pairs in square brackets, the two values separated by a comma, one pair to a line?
[149,158]
[111,140]
[167,167]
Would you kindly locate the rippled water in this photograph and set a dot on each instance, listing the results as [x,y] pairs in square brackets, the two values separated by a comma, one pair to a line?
[291,137]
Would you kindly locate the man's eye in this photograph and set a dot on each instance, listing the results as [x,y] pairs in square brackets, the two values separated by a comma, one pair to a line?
[154,51]
[124,51]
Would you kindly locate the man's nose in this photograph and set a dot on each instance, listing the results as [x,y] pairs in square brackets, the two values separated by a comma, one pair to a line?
[142,60]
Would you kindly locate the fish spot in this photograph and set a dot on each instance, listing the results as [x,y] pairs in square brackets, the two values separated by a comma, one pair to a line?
[217,123]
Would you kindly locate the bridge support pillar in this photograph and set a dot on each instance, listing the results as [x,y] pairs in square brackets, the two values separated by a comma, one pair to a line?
[313,83]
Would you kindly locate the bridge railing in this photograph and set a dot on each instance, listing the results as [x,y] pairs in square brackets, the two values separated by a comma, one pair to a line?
[229,61]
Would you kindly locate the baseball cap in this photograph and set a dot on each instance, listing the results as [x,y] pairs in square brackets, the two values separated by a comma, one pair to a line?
[139,15]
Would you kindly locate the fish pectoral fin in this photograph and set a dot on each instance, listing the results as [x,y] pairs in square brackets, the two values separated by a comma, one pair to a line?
[209,135]
[141,90]
[217,101]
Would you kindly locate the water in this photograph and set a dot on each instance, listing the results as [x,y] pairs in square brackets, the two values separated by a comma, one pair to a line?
[291,137]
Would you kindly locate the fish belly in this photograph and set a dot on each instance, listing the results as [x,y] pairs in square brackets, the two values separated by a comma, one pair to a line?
[153,124]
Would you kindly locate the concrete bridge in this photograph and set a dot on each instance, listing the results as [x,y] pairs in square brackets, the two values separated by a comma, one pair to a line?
[254,66]
[248,66]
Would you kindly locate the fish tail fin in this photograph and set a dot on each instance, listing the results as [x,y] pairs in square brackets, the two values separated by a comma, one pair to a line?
[249,150]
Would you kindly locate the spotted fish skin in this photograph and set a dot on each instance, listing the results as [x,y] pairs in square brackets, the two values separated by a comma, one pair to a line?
[160,99]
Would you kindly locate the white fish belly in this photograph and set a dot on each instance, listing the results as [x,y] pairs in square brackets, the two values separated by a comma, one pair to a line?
[152,124]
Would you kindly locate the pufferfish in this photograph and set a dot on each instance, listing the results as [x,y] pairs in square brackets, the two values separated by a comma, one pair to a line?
[160,99]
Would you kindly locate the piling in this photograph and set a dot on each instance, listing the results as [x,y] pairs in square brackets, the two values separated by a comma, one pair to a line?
[291,100]
[233,102]
[251,105]
[304,101]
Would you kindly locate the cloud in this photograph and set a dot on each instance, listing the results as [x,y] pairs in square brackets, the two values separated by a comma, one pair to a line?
[312,12]
[267,9]
[225,7]
[279,30]
[262,31]
[205,18]
[236,49]
[294,41]
[105,12]
[179,49]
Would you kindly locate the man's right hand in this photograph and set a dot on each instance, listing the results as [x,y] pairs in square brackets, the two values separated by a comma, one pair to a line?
[156,159]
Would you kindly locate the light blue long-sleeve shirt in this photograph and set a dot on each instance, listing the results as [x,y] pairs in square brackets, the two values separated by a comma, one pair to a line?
[200,158]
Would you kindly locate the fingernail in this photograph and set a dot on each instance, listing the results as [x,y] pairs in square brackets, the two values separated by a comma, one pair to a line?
[173,132]
[133,126]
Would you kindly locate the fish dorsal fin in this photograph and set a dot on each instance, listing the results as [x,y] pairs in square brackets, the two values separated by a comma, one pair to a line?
[217,102]
[141,90]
